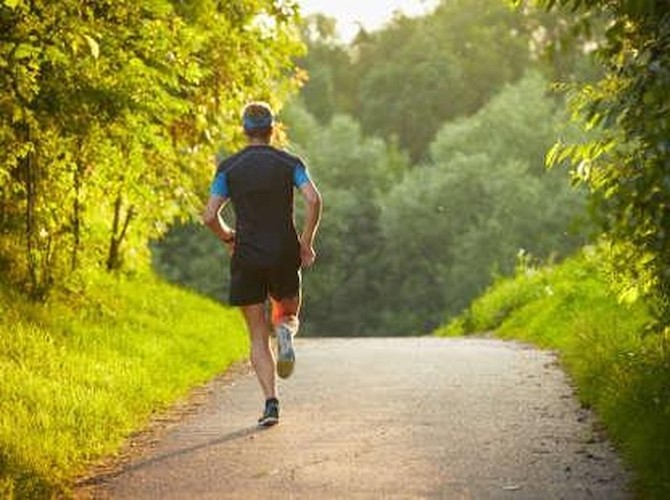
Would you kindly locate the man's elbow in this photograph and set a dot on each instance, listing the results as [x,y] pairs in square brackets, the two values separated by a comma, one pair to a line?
[314,199]
[209,219]
[210,215]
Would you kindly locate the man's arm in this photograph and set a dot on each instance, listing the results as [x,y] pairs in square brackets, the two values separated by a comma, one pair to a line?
[312,199]
[213,220]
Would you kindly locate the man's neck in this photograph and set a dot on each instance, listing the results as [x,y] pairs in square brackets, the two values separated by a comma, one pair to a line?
[254,141]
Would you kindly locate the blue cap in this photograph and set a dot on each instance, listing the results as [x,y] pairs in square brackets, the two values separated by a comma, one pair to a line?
[257,122]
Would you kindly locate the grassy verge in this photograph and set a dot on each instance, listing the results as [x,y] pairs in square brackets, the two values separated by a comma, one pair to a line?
[620,371]
[77,376]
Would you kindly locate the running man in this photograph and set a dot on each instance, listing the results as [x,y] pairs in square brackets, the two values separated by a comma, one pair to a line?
[267,253]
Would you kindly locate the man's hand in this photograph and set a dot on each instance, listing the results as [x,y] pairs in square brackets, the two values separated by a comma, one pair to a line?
[230,243]
[307,255]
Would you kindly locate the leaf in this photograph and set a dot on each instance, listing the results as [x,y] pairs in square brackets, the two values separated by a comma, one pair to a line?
[12,4]
[93,45]
[629,295]
[25,51]
[552,154]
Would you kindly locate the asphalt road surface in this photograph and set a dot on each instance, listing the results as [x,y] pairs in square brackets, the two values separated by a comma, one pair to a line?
[380,418]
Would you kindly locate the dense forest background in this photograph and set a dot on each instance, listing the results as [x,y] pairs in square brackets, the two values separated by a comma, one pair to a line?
[428,141]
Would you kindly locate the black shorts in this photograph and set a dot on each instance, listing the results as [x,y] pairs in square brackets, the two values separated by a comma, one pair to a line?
[252,284]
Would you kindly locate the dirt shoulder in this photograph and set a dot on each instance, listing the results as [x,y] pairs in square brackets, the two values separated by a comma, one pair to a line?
[374,418]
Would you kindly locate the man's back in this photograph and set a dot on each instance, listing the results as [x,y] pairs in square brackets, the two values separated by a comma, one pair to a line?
[260,181]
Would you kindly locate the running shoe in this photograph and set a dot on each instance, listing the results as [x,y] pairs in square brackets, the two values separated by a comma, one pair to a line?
[285,352]
[270,416]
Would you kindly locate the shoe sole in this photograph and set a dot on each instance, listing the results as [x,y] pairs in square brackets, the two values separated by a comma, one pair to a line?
[285,368]
[285,356]
[268,422]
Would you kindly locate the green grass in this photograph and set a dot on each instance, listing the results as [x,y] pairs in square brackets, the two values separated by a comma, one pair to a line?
[78,376]
[620,371]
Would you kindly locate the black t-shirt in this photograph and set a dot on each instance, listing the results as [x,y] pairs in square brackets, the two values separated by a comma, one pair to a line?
[259,180]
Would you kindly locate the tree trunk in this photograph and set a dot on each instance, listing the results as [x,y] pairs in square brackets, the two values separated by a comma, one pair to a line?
[76,210]
[114,261]
[30,180]
[3,209]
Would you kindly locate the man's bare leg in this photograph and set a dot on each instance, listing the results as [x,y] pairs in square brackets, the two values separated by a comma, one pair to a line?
[262,358]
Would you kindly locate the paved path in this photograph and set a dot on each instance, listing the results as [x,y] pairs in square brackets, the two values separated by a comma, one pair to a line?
[385,418]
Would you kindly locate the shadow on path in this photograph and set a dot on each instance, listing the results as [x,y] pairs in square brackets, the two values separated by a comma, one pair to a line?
[103,478]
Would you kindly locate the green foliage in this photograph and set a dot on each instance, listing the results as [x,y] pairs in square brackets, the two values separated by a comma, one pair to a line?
[405,81]
[105,111]
[621,371]
[78,376]
[460,57]
[189,254]
[502,128]
[483,197]
[627,165]
[329,87]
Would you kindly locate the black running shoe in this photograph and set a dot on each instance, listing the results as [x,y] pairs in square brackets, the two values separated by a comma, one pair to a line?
[270,416]
[285,352]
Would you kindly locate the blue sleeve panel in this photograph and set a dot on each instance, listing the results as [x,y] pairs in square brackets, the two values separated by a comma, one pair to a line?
[300,175]
[219,186]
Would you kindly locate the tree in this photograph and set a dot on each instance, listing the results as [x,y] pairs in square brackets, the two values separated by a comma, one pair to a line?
[454,224]
[329,88]
[418,73]
[110,113]
[626,164]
